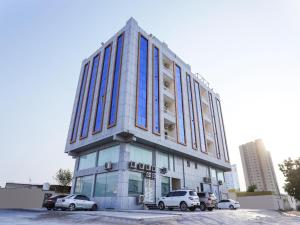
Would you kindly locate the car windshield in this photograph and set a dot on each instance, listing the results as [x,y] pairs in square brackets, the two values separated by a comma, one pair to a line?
[212,195]
[193,193]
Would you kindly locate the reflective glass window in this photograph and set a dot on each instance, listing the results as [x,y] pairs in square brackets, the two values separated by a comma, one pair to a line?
[79,103]
[221,122]
[191,111]
[108,155]
[180,111]
[162,160]
[156,108]
[106,185]
[165,186]
[87,161]
[142,84]
[116,82]
[135,184]
[84,185]
[140,155]
[220,175]
[200,116]
[213,173]
[90,97]
[212,111]
[102,90]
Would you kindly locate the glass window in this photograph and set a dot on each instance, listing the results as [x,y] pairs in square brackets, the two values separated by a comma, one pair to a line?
[79,103]
[87,161]
[221,122]
[212,111]
[162,160]
[84,185]
[221,176]
[179,105]
[165,186]
[156,106]
[135,184]
[116,83]
[142,84]
[191,110]
[102,90]
[108,155]
[213,173]
[140,155]
[106,185]
[171,162]
[200,117]
[89,98]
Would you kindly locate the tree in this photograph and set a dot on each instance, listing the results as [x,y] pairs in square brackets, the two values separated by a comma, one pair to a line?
[251,188]
[63,177]
[291,170]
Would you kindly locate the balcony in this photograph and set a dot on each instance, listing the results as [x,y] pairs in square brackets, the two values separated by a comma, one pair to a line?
[167,137]
[167,67]
[210,136]
[170,131]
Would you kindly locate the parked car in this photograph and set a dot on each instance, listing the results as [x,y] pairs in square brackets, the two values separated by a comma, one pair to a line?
[184,199]
[50,202]
[73,202]
[228,204]
[208,200]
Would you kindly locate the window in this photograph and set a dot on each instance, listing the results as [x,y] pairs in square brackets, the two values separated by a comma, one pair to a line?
[142,84]
[213,173]
[89,98]
[84,185]
[179,107]
[106,185]
[162,160]
[155,90]
[191,110]
[108,155]
[171,162]
[196,166]
[140,155]
[165,186]
[179,193]
[221,122]
[102,91]
[192,193]
[220,175]
[79,103]
[135,184]
[188,163]
[200,117]
[212,111]
[87,161]
[116,83]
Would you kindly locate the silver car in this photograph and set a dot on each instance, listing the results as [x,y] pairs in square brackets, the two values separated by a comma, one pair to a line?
[73,202]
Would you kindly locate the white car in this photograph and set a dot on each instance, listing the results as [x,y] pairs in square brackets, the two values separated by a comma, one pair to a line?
[184,199]
[228,204]
[73,202]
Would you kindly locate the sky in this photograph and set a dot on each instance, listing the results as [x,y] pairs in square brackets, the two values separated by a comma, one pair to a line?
[249,51]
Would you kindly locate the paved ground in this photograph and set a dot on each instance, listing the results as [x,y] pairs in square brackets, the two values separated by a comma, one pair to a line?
[218,217]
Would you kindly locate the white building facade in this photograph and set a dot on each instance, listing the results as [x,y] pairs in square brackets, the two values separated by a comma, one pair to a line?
[144,124]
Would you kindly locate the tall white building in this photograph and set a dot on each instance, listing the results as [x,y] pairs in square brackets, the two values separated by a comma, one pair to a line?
[144,124]
[258,166]
[232,178]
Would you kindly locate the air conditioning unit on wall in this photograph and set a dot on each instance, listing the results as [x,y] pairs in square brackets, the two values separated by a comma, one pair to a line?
[148,167]
[220,182]
[141,166]
[163,170]
[108,165]
[206,180]
[132,165]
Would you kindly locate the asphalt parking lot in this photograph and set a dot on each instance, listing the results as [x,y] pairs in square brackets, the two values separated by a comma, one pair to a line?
[220,217]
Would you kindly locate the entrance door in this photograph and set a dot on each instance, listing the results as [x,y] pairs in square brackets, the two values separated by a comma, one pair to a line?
[215,190]
[149,185]
[176,184]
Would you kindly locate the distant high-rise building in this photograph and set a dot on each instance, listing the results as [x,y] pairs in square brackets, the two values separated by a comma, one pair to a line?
[258,166]
[232,178]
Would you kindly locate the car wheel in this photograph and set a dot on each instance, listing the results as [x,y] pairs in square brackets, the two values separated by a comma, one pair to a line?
[94,207]
[48,208]
[210,209]
[192,209]
[183,206]
[72,207]
[202,206]
[170,209]
[161,205]
[231,207]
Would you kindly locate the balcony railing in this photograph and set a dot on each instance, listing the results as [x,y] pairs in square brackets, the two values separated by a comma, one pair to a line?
[167,137]
[169,112]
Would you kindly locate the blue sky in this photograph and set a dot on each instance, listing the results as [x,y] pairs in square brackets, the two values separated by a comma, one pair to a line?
[249,51]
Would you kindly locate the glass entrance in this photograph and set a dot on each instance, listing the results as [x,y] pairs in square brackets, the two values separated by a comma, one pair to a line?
[149,192]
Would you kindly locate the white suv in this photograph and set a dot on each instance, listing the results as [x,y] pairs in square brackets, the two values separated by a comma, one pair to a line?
[184,199]
[73,202]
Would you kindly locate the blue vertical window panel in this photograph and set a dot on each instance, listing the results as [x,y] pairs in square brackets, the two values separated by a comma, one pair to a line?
[180,110]
[79,104]
[142,84]
[212,111]
[191,111]
[156,110]
[116,83]
[223,135]
[200,116]
[90,97]
[102,91]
